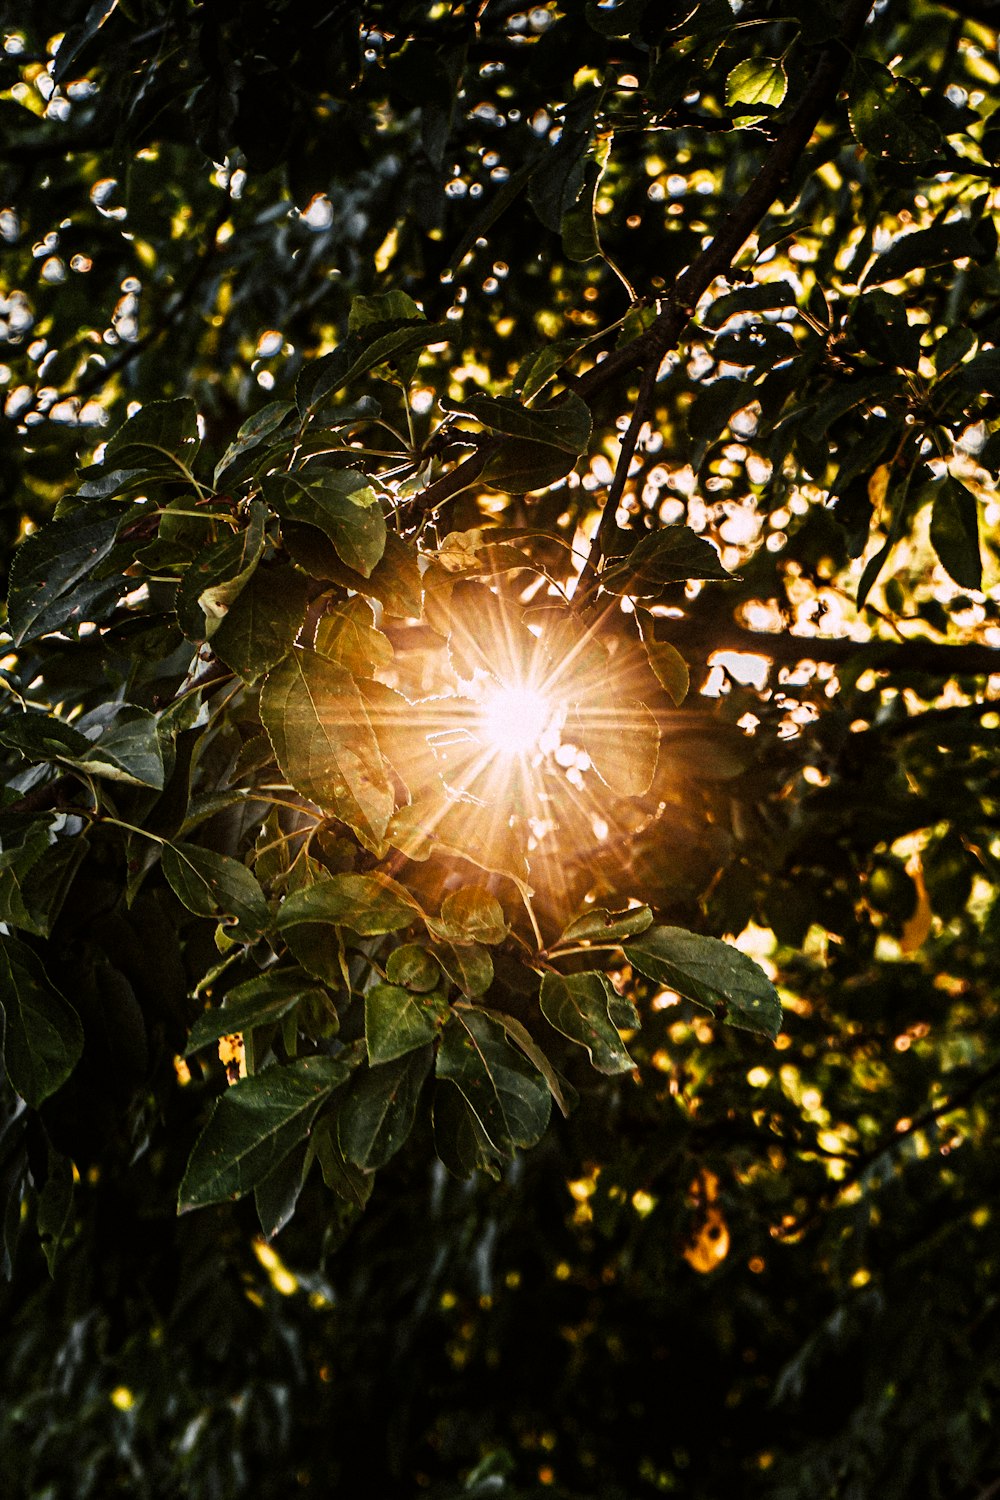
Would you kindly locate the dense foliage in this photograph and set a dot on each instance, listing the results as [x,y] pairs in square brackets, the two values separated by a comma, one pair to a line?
[501,514]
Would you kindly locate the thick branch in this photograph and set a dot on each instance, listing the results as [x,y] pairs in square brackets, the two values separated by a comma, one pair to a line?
[696,638]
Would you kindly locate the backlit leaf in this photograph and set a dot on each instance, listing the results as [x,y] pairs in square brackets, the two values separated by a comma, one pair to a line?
[316,721]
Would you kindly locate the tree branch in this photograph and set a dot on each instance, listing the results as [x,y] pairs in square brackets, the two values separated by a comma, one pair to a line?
[716,258]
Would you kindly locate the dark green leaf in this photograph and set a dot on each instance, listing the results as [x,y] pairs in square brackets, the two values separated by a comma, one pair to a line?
[258,629]
[565,425]
[213,885]
[577,1005]
[43,1038]
[459,1139]
[924,247]
[673,554]
[507,1096]
[414,967]
[340,503]
[469,966]
[395,582]
[276,1196]
[373,345]
[397,1020]
[253,432]
[257,1002]
[563,1093]
[376,1114]
[162,435]
[253,1127]
[887,116]
[55,580]
[710,973]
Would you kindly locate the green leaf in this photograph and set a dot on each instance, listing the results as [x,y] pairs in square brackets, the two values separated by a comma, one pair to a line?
[55,578]
[341,504]
[160,433]
[955,532]
[373,345]
[509,1099]
[397,1020]
[340,1175]
[395,581]
[43,1038]
[710,973]
[598,925]
[376,1114]
[258,629]
[214,580]
[517,466]
[253,432]
[211,885]
[563,1093]
[367,904]
[276,1196]
[622,740]
[565,425]
[757,82]
[253,1127]
[887,116]
[578,229]
[36,871]
[414,967]
[257,1002]
[128,751]
[763,296]
[459,1139]
[577,1005]
[673,554]
[882,329]
[538,367]
[316,721]
[469,966]
[471,915]
[668,665]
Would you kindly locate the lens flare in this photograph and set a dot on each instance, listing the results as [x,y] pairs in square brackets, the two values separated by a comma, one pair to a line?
[514,719]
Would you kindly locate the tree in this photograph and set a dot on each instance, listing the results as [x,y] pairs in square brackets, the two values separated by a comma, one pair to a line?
[502,506]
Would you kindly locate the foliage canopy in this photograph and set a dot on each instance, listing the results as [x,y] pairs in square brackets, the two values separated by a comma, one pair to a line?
[501,513]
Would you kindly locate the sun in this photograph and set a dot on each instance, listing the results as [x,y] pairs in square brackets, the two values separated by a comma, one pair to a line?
[514,718]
